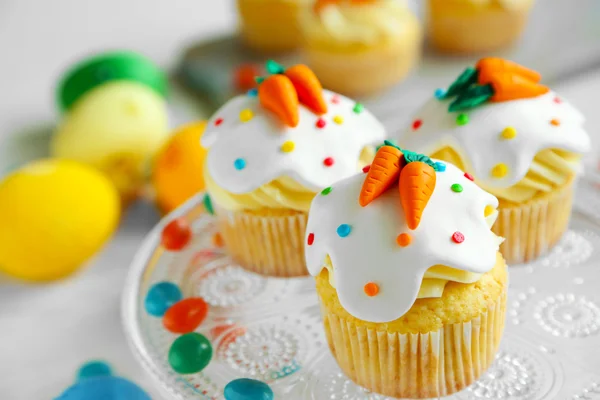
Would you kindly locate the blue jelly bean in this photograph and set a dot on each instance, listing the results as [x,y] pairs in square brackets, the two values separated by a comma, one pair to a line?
[247,389]
[160,297]
[104,388]
[93,369]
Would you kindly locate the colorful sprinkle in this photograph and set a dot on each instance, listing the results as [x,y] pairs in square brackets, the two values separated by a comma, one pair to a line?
[311,239]
[557,100]
[371,289]
[366,169]
[403,239]
[321,123]
[456,188]
[326,191]
[462,119]
[344,230]
[239,164]
[469,176]
[439,93]
[246,115]
[208,206]
[335,99]
[417,123]
[328,162]
[288,146]
[338,119]
[253,92]
[488,210]
[500,170]
[358,108]
[217,240]
[218,121]
[439,167]
[458,237]
[555,122]
[509,133]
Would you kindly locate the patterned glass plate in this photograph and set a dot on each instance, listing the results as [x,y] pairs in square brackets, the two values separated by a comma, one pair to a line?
[270,329]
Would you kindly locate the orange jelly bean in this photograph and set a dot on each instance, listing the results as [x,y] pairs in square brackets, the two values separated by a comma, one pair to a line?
[186,315]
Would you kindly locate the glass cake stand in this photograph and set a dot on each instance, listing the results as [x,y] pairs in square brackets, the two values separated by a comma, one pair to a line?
[270,329]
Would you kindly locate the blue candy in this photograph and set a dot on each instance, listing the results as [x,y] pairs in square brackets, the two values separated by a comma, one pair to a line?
[93,369]
[247,389]
[160,297]
[105,388]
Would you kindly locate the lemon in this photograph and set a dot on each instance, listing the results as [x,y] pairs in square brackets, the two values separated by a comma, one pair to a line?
[54,215]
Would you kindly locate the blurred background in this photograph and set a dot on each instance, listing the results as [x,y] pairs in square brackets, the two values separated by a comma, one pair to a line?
[52,326]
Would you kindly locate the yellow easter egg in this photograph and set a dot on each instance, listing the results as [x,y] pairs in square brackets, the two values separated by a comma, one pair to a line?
[55,215]
[177,169]
[116,127]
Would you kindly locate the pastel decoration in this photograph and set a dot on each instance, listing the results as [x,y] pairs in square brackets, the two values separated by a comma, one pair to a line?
[277,94]
[383,173]
[308,87]
[417,183]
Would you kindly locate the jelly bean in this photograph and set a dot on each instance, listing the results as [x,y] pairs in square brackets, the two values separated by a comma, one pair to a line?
[190,353]
[160,297]
[93,369]
[186,315]
[247,389]
[176,235]
[104,388]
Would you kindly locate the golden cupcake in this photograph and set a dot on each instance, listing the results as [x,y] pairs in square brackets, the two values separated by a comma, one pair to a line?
[475,26]
[359,47]
[270,152]
[518,139]
[411,284]
[271,25]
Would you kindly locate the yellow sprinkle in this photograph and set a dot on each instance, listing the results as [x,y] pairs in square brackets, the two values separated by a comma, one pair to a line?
[509,133]
[338,119]
[246,115]
[489,210]
[500,170]
[288,146]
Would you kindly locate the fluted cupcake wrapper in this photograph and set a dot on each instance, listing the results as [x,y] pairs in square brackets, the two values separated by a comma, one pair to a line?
[271,245]
[416,366]
[531,229]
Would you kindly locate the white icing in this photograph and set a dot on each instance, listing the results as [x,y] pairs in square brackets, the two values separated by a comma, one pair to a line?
[479,142]
[370,252]
[259,142]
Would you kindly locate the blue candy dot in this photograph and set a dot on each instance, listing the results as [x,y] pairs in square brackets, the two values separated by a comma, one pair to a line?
[247,389]
[253,92]
[440,167]
[239,164]
[104,388]
[439,93]
[344,230]
[160,297]
[93,369]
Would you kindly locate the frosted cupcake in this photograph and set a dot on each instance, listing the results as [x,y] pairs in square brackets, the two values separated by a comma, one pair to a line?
[271,25]
[360,47]
[521,142]
[270,152]
[411,284]
[475,26]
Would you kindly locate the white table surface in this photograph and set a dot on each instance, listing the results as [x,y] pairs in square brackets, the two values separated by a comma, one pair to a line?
[47,331]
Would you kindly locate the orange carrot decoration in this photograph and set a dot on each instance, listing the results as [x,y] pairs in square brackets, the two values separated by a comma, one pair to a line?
[511,87]
[491,66]
[277,94]
[308,87]
[384,172]
[416,184]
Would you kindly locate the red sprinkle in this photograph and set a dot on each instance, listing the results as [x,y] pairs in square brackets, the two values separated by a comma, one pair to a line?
[458,237]
[321,123]
[335,99]
[311,239]
[366,169]
[557,100]
[218,121]
[469,176]
[417,124]
[328,161]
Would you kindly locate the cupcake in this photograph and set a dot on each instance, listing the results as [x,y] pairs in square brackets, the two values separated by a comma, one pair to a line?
[270,152]
[472,26]
[271,25]
[518,139]
[411,285]
[360,47]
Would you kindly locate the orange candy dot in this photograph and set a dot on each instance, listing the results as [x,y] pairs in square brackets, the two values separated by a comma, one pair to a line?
[404,239]
[371,289]
[218,240]
[555,122]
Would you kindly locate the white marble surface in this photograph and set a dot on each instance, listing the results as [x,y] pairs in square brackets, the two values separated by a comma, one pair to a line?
[49,330]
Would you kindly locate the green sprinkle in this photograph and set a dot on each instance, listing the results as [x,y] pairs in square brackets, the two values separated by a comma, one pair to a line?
[208,204]
[259,79]
[358,108]
[326,191]
[274,68]
[456,188]
[462,119]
